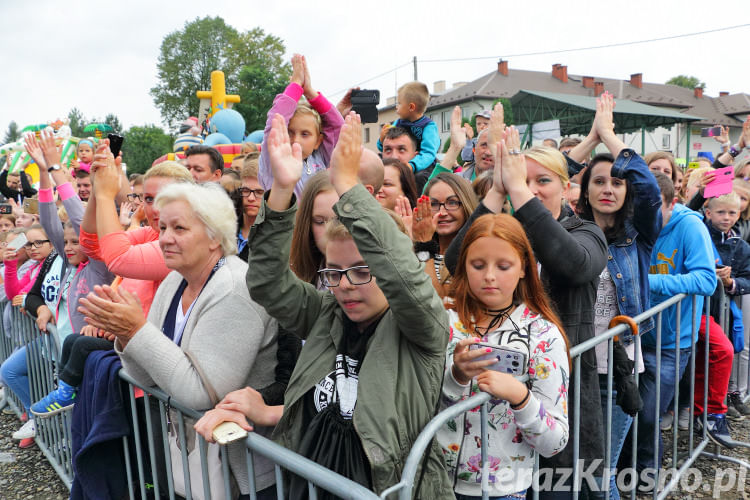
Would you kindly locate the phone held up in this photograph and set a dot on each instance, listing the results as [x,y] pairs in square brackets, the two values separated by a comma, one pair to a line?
[711,132]
[115,143]
[507,360]
[365,103]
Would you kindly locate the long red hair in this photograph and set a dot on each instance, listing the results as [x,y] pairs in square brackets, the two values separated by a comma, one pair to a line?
[529,289]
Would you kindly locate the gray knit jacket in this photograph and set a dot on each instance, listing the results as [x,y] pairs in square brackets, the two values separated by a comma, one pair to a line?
[230,336]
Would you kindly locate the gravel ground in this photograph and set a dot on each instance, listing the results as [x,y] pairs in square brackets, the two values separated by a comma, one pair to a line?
[711,470]
[25,474]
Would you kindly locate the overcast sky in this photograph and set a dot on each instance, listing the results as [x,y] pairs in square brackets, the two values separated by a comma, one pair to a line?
[101,56]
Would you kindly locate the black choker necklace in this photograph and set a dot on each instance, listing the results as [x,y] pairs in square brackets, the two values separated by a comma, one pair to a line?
[498,316]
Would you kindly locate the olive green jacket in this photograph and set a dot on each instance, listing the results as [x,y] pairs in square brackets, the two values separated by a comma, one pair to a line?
[399,380]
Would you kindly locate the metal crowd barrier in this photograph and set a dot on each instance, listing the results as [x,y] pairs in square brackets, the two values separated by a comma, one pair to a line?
[43,352]
[161,467]
[53,435]
[679,465]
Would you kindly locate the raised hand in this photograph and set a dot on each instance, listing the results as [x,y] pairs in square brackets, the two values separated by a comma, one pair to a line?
[107,179]
[458,133]
[605,125]
[34,151]
[345,104]
[723,138]
[469,131]
[604,118]
[512,162]
[298,71]
[126,210]
[310,92]
[424,222]
[744,141]
[403,209]
[285,157]
[458,139]
[346,155]
[49,149]
[497,125]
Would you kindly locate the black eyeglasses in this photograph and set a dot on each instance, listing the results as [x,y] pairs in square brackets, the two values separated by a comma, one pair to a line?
[35,244]
[450,205]
[246,192]
[134,197]
[357,275]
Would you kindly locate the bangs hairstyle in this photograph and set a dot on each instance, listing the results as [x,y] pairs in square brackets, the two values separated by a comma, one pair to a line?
[742,188]
[304,108]
[211,204]
[725,199]
[662,155]
[406,176]
[462,189]
[551,159]
[529,289]
[170,170]
[416,92]
[85,142]
[305,258]
[739,167]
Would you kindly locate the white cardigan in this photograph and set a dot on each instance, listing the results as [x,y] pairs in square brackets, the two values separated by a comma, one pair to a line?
[230,336]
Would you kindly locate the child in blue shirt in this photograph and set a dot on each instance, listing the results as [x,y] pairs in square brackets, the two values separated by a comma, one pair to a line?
[411,103]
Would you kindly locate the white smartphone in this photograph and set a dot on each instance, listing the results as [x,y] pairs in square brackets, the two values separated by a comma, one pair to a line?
[18,242]
[226,432]
[507,360]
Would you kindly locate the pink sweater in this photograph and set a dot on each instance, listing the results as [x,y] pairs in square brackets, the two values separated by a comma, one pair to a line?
[16,286]
[134,255]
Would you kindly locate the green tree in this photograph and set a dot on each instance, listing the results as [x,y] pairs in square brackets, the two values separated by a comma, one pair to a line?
[142,145]
[12,134]
[257,89]
[186,60]
[188,57]
[77,122]
[114,122]
[689,82]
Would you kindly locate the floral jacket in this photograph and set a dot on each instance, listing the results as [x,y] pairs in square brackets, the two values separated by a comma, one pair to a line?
[514,435]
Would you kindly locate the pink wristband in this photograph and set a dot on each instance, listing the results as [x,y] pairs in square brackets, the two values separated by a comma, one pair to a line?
[294,90]
[66,191]
[46,196]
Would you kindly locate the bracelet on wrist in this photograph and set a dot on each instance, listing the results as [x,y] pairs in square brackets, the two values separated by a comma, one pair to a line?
[734,152]
[523,401]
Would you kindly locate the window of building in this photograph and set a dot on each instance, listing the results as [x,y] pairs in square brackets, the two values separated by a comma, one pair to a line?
[367,134]
[665,139]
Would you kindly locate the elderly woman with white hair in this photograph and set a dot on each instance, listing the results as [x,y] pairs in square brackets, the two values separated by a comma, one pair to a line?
[203,328]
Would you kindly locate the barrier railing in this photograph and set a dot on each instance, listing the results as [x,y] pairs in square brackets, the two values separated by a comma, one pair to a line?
[42,353]
[153,454]
[161,468]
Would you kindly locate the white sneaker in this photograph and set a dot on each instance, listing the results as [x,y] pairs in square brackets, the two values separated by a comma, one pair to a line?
[28,430]
[683,420]
[666,421]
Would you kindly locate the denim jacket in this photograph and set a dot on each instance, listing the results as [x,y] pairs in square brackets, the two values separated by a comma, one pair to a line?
[628,259]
